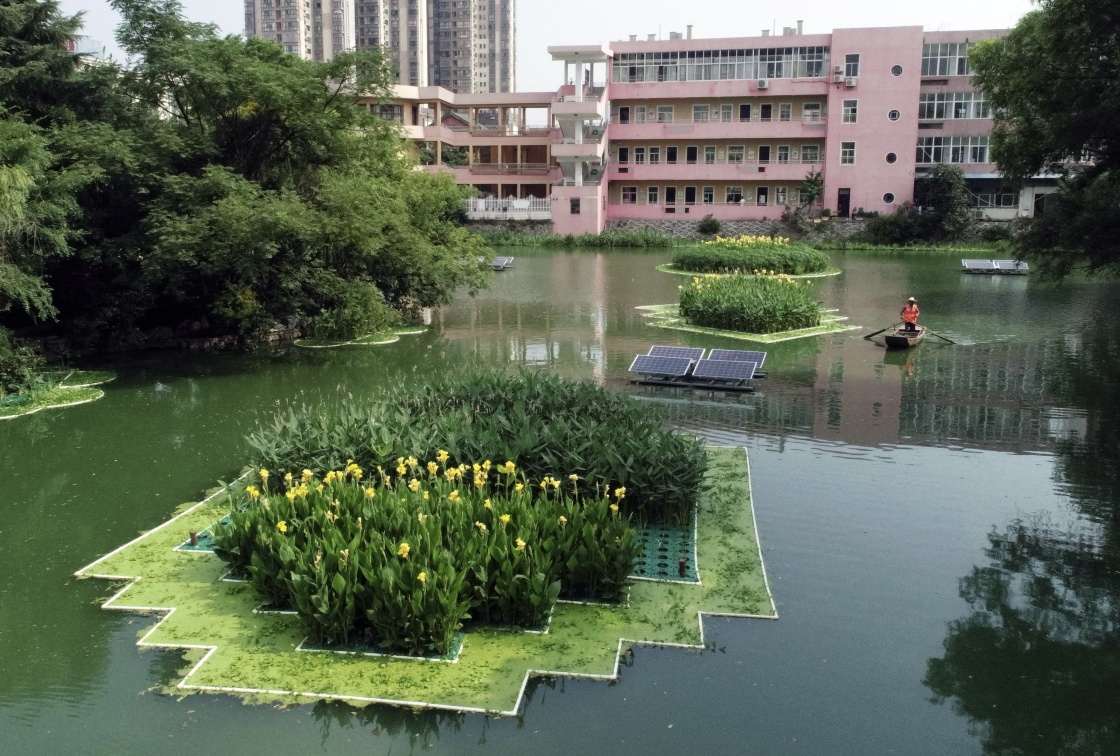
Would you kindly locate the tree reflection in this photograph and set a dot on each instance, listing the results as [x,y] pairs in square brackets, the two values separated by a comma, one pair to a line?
[421,727]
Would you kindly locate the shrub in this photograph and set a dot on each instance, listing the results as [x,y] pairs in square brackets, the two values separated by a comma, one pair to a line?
[405,560]
[750,304]
[361,310]
[750,253]
[826,212]
[994,233]
[708,226]
[547,425]
[19,364]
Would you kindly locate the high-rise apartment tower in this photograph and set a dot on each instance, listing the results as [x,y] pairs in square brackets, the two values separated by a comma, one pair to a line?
[312,29]
[473,45]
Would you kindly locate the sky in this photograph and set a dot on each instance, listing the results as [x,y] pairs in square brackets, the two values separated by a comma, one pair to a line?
[578,22]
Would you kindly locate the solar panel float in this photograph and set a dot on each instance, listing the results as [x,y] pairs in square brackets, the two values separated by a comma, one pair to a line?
[691,353]
[738,355]
[724,370]
[671,367]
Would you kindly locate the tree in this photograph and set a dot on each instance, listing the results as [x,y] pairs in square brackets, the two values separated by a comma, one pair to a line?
[943,197]
[1054,86]
[811,189]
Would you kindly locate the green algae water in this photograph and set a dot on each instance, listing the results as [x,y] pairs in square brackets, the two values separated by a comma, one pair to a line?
[941,528]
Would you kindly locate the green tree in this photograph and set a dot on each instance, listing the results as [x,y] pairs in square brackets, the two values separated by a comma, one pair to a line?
[1054,86]
[946,213]
[811,189]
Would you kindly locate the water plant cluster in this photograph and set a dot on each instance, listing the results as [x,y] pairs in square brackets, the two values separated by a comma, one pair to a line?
[751,254]
[405,559]
[547,425]
[752,304]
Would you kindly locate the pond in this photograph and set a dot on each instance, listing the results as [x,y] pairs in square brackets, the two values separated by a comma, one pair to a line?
[941,527]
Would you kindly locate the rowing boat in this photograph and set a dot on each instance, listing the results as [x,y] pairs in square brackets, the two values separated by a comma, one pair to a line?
[903,339]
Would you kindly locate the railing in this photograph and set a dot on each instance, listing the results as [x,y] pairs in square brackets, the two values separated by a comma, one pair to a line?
[530,208]
[590,94]
[744,165]
[808,119]
[532,169]
[509,131]
[587,181]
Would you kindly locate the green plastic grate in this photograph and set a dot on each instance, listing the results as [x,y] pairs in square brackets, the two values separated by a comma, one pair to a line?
[664,546]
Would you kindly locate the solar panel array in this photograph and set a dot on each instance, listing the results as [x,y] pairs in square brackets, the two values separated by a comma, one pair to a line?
[978,264]
[690,353]
[1010,265]
[502,262]
[736,355]
[727,370]
[672,367]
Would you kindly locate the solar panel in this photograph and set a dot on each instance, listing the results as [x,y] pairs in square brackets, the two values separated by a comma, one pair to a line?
[978,264]
[672,367]
[503,261]
[690,353]
[737,355]
[1010,265]
[725,370]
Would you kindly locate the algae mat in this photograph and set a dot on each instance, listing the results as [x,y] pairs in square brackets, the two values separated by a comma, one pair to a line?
[230,648]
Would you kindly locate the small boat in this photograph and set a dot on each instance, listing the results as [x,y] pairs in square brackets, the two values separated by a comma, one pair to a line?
[903,339]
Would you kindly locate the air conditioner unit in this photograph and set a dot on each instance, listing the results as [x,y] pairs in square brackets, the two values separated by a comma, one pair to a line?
[763,83]
[838,79]
[850,81]
[594,131]
[838,69]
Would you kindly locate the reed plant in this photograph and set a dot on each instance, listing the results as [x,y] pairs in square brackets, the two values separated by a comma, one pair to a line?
[750,303]
[758,255]
[547,425]
[406,557]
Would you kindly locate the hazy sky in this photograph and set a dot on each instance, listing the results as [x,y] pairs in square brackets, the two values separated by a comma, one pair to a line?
[574,22]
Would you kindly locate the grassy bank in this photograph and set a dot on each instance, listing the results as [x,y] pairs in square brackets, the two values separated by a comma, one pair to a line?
[55,389]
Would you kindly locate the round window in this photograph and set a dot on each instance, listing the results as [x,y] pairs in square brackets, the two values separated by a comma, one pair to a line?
[888,198]
[891,158]
[896,70]
[894,115]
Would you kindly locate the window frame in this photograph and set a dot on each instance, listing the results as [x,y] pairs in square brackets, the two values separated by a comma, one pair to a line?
[850,111]
[847,153]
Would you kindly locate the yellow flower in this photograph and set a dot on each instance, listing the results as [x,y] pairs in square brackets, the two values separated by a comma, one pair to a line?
[504,518]
[486,465]
[305,475]
[573,477]
[319,488]
[519,487]
[282,526]
[426,496]
[357,473]
[554,482]
[423,578]
[520,545]
[620,493]
[288,478]
[412,462]
[332,517]
[369,492]
[401,470]
[252,491]
[330,476]
[509,468]
[442,456]
[614,508]
[402,552]
[414,485]
[290,496]
[433,468]
[422,518]
[487,504]
[481,526]
[345,554]
[453,496]
[479,481]
[264,475]
[477,468]
[563,520]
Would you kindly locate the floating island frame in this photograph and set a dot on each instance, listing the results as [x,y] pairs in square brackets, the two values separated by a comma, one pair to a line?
[230,648]
[669,316]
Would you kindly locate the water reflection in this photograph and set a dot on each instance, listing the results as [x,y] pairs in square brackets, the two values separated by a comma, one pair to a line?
[422,727]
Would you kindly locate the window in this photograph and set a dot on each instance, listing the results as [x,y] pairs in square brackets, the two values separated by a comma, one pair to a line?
[850,111]
[664,113]
[762,195]
[734,195]
[652,195]
[624,114]
[896,70]
[811,111]
[640,114]
[735,153]
[708,195]
[785,111]
[766,112]
[573,207]
[726,110]
[888,198]
[941,105]
[892,158]
[933,150]
[810,153]
[690,195]
[709,155]
[629,195]
[783,153]
[690,155]
[745,112]
[671,155]
[700,113]
[720,65]
[780,195]
[623,155]
[654,155]
[851,65]
[894,115]
[764,153]
[945,59]
[639,155]
[847,153]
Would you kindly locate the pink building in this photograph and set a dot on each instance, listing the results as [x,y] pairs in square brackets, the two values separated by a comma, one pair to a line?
[682,128]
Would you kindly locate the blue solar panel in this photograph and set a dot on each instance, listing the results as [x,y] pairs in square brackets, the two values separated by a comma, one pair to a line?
[1010,265]
[690,353]
[673,367]
[736,355]
[727,370]
[978,264]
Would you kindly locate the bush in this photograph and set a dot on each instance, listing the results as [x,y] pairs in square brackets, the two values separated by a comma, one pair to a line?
[900,228]
[360,310]
[994,233]
[750,253]
[750,304]
[406,560]
[19,365]
[708,226]
[826,212]
[547,425]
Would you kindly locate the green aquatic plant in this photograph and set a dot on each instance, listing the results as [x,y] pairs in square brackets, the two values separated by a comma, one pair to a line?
[751,304]
[751,255]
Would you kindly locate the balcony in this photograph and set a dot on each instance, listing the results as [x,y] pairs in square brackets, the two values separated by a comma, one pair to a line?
[753,170]
[739,128]
[511,169]
[681,211]
[530,208]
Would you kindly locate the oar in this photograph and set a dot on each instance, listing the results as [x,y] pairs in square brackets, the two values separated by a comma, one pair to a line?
[873,335]
[938,335]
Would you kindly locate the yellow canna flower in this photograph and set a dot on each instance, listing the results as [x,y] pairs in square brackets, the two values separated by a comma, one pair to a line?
[426,496]
[614,508]
[563,520]
[403,550]
[264,475]
[329,477]
[344,554]
[520,545]
[504,518]
[319,488]
[414,485]
[422,517]
[453,496]
[479,481]
[620,493]
[442,456]
[519,487]
[305,475]
[433,468]
[253,492]
[369,492]
[423,578]
[573,477]
[282,526]
[486,465]
[554,483]
[288,478]
[487,504]
[481,526]
[401,470]
[412,462]
[290,496]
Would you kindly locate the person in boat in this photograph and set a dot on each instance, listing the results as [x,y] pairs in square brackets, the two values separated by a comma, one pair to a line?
[910,314]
